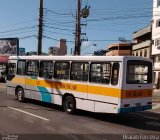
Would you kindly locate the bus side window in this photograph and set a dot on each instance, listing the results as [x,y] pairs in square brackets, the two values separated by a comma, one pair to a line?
[11,69]
[32,68]
[46,69]
[79,71]
[61,70]
[115,74]
[21,67]
[100,73]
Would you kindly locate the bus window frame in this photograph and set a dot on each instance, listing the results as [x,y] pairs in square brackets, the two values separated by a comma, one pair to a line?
[105,62]
[15,68]
[112,74]
[82,78]
[141,62]
[25,67]
[54,70]
[31,71]
[41,69]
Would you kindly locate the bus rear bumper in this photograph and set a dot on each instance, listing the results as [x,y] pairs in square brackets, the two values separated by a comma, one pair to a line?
[134,109]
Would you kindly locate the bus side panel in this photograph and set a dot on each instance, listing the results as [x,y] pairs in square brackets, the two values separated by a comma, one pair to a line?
[29,88]
[77,89]
[136,101]
[14,80]
[40,89]
[52,91]
[106,98]
[11,90]
[103,98]
[85,104]
[45,89]
[105,107]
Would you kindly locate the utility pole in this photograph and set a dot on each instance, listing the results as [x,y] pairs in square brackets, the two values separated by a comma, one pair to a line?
[78,29]
[40,32]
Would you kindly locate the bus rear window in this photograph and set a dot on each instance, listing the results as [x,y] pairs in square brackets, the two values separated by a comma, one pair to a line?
[139,72]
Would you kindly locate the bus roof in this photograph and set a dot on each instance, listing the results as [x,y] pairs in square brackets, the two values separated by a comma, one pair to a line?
[82,58]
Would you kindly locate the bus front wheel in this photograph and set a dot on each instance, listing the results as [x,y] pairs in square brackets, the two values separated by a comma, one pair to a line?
[69,104]
[20,94]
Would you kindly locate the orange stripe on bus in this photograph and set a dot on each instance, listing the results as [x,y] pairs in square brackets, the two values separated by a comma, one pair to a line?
[136,93]
[98,90]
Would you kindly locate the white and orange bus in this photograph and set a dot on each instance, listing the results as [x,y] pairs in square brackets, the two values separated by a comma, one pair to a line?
[107,84]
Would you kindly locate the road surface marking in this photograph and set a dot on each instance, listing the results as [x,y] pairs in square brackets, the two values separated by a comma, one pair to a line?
[156,107]
[2,87]
[25,112]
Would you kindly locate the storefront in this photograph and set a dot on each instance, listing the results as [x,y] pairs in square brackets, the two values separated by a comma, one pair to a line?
[3,61]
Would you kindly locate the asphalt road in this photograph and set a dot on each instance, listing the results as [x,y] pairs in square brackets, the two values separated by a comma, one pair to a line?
[34,119]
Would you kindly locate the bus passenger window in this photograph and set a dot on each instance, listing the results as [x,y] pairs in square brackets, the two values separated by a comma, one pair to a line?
[11,69]
[46,69]
[79,71]
[21,68]
[33,68]
[61,70]
[100,73]
[115,74]
[139,72]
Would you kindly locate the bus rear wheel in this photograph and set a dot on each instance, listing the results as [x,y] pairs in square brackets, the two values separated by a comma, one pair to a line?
[69,104]
[20,94]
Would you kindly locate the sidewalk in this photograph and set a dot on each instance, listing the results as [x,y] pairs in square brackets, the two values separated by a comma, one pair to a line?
[156,95]
[156,92]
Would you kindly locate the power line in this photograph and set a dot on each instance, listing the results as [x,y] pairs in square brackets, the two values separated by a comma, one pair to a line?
[26,37]
[118,18]
[71,9]
[18,23]
[119,24]
[58,24]
[58,21]
[63,29]
[20,33]
[58,33]
[17,29]
[56,39]
[56,13]
[117,11]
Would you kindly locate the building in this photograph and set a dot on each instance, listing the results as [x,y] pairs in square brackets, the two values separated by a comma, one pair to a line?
[60,49]
[156,41]
[22,51]
[53,50]
[142,42]
[35,53]
[119,49]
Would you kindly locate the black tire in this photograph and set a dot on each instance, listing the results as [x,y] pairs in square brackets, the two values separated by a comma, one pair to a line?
[20,94]
[69,104]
